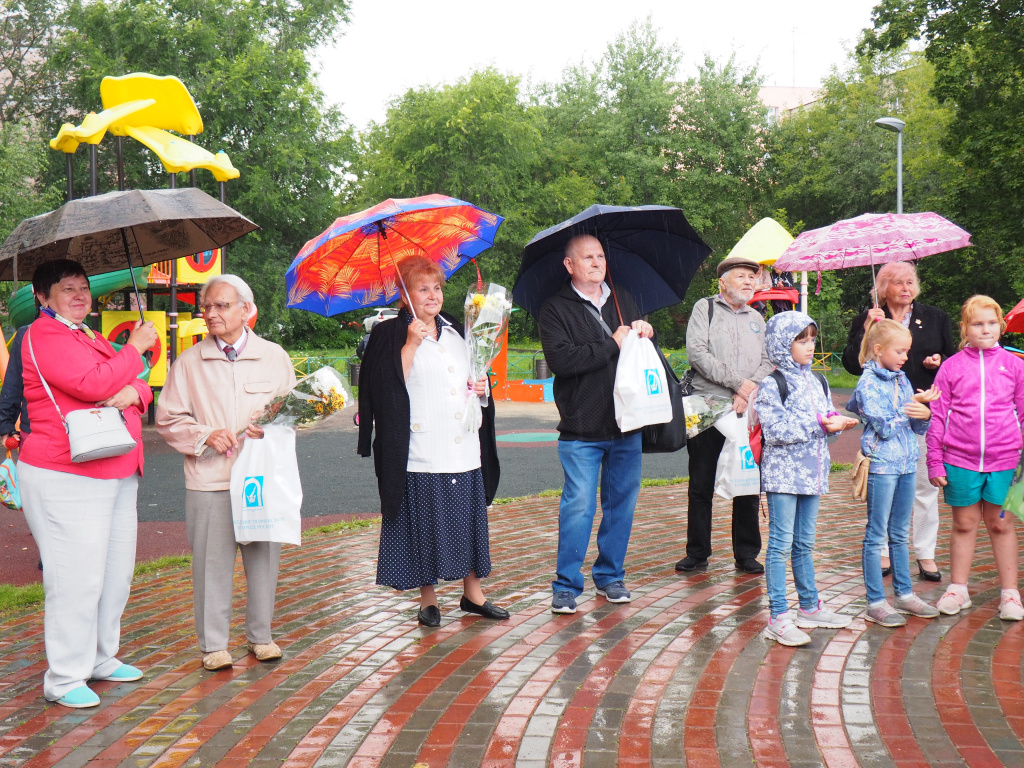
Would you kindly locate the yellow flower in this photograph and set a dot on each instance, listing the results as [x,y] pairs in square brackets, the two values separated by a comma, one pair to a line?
[478,300]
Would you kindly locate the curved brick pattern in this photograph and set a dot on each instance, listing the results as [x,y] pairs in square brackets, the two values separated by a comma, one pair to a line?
[679,677]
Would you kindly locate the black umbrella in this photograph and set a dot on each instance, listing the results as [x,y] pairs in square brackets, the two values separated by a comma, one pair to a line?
[652,252]
[118,229]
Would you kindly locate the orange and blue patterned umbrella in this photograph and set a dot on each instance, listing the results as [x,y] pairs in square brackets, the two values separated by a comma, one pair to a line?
[354,263]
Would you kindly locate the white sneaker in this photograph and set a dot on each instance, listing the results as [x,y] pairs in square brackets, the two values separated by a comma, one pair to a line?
[912,605]
[783,631]
[1010,608]
[953,601]
[822,617]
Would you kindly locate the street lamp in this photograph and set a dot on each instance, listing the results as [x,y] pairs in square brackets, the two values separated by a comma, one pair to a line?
[896,125]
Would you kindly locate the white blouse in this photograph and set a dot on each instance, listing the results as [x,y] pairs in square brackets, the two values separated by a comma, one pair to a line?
[438,398]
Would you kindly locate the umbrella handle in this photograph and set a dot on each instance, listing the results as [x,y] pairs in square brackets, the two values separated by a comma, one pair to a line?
[615,296]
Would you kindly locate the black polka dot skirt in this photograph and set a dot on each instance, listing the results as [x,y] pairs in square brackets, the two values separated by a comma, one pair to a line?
[439,534]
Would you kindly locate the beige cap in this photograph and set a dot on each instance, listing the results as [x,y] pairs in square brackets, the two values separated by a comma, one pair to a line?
[731,262]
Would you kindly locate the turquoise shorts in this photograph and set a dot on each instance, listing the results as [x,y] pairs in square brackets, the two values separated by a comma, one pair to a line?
[965,487]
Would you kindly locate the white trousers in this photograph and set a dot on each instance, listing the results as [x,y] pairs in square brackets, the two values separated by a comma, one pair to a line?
[926,509]
[86,532]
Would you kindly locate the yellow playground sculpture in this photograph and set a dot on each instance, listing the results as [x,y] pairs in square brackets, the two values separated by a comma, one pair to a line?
[147,108]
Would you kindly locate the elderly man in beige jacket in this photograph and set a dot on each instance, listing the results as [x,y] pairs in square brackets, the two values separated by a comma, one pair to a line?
[213,391]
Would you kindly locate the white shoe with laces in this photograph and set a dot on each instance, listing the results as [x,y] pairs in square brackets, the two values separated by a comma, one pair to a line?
[821,617]
[953,601]
[783,631]
[1010,608]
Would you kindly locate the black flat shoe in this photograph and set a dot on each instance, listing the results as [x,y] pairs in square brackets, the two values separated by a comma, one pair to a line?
[887,571]
[429,616]
[749,565]
[690,563]
[928,575]
[488,610]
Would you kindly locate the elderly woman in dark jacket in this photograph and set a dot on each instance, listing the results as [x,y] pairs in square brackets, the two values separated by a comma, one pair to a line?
[435,477]
[932,336]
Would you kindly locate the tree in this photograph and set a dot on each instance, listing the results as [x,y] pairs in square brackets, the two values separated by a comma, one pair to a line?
[28,30]
[245,64]
[977,50]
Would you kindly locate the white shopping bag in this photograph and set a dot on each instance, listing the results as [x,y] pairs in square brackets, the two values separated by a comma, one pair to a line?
[266,493]
[641,389]
[737,473]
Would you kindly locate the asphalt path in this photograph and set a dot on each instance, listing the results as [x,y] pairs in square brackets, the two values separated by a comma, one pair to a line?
[337,481]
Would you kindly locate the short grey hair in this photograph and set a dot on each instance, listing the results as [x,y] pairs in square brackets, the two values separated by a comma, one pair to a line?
[241,288]
[576,240]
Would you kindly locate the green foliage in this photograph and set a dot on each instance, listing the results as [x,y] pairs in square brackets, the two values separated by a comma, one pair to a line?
[22,194]
[14,598]
[161,564]
[977,50]
[356,524]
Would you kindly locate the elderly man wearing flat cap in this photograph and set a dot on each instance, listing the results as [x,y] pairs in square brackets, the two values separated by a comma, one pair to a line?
[725,347]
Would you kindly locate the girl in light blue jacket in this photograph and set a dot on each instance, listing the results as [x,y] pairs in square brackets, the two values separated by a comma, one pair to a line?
[891,413]
[796,413]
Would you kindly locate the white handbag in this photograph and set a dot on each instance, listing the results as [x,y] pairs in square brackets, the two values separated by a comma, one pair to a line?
[93,433]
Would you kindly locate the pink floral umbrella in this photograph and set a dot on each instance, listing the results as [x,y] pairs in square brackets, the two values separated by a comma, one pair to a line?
[873,238]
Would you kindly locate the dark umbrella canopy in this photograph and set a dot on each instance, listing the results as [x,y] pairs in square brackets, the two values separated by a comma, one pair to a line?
[652,252]
[108,232]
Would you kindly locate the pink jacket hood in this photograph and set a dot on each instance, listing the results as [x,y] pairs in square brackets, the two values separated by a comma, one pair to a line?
[976,422]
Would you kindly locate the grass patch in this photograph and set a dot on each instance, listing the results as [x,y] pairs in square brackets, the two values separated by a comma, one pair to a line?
[552,492]
[838,378]
[836,467]
[658,482]
[344,525]
[16,598]
[161,564]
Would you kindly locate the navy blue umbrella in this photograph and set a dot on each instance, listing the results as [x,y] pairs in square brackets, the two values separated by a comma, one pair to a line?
[652,252]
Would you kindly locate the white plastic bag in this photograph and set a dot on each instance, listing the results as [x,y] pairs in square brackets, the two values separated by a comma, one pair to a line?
[266,494]
[641,389]
[737,473]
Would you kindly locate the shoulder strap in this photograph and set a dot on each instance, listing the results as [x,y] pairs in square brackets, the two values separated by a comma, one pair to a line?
[780,380]
[595,313]
[32,353]
[823,381]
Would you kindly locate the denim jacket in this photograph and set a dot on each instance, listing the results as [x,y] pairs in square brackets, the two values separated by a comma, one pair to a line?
[888,438]
[796,458]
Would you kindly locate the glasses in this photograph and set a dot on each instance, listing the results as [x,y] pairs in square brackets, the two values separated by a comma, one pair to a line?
[220,306]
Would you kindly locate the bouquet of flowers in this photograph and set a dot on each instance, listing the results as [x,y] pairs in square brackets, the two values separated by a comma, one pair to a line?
[314,398]
[487,311]
[702,411]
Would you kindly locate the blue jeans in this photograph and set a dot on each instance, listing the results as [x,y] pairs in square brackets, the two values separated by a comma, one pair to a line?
[890,504]
[618,462]
[791,523]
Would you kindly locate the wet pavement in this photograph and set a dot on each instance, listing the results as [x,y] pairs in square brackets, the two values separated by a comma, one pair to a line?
[679,677]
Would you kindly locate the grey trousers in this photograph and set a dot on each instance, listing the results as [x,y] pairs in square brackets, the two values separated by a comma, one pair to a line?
[85,530]
[212,538]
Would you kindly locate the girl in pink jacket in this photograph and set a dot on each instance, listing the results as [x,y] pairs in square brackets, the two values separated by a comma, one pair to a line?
[974,445]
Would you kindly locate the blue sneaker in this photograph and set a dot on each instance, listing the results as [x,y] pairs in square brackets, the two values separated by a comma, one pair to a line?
[616,592]
[79,698]
[563,602]
[126,673]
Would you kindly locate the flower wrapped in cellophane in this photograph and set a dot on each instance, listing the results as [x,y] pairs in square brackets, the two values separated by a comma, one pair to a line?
[702,411]
[314,398]
[487,311]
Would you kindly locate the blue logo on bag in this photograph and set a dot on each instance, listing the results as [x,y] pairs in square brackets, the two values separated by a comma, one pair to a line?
[252,489]
[653,381]
[747,458]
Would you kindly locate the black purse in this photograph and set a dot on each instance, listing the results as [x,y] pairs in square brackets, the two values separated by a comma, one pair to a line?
[670,436]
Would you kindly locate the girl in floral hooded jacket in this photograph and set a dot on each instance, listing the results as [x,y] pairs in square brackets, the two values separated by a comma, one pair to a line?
[796,415]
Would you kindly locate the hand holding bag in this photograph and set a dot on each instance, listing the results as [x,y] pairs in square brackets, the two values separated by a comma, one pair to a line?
[641,393]
[93,433]
[266,493]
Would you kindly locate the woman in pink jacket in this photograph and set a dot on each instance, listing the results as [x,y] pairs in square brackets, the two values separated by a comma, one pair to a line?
[974,445]
[82,516]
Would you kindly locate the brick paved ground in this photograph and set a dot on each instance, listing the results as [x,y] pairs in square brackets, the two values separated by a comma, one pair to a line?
[681,676]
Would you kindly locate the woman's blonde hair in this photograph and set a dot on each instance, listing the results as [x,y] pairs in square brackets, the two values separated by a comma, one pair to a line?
[417,268]
[895,270]
[883,333]
[970,310]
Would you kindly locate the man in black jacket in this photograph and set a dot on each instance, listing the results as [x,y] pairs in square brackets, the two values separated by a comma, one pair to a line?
[583,351]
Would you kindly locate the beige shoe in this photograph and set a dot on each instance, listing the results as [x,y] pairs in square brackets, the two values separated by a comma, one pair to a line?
[217,660]
[265,651]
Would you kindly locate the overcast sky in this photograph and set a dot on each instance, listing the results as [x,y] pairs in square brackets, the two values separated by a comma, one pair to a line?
[393,45]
